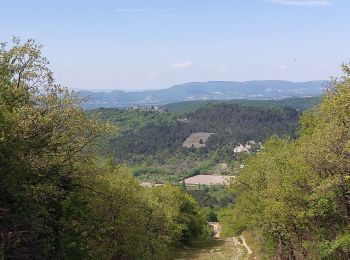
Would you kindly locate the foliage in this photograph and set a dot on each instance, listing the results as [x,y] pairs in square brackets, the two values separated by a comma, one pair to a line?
[151,142]
[214,197]
[59,200]
[296,192]
[146,133]
[181,211]
[296,103]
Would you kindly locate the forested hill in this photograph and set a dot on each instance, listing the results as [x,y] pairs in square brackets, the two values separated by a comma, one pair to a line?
[296,103]
[148,133]
[60,199]
[213,90]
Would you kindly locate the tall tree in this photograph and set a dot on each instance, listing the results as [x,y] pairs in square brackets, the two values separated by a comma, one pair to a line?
[44,140]
[296,194]
[59,199]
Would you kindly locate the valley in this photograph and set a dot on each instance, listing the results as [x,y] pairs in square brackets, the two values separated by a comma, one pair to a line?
[201,151]
[261,177]
[170,146]
[263,90]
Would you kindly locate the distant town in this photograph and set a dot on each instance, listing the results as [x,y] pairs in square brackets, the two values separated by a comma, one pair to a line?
[151,108]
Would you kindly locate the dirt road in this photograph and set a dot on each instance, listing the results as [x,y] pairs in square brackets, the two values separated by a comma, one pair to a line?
[233,248]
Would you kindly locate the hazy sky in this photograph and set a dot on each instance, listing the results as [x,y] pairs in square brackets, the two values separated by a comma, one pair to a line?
[146,44]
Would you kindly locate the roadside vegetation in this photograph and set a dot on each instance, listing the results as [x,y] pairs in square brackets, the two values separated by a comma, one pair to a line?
[59,198]
[293,196]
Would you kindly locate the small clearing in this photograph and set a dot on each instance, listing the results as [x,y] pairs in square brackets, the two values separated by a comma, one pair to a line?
[196,140]
[208,180]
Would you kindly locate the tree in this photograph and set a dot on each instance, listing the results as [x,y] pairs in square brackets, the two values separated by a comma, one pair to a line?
[295,194]
[45,140]
[184,219]
[59,198]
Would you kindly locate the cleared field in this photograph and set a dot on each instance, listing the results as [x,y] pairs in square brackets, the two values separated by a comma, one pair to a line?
[208,180]
[196,140]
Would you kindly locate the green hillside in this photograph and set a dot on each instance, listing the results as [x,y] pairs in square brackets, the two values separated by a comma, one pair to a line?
[152,142]
[71,180]
[297,103]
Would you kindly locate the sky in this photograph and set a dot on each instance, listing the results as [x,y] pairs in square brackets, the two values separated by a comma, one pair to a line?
[152,44]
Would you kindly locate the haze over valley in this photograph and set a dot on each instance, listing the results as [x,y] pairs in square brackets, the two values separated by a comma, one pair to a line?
[214,90]
[174,130]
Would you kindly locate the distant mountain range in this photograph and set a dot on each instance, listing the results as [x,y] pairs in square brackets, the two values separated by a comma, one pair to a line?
[212,90]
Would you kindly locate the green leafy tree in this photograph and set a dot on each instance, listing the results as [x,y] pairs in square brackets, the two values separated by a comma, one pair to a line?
[59,199]
[44,141]
[295,194]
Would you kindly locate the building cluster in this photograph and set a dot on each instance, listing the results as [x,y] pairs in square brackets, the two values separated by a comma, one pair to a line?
[182,120]
[248,147]
[152,108]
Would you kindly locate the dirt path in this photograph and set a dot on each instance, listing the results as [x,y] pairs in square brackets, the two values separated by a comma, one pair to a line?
[233,248]
[249,251]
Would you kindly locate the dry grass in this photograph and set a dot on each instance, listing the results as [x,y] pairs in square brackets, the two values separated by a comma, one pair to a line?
[196,140]
[208,180]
